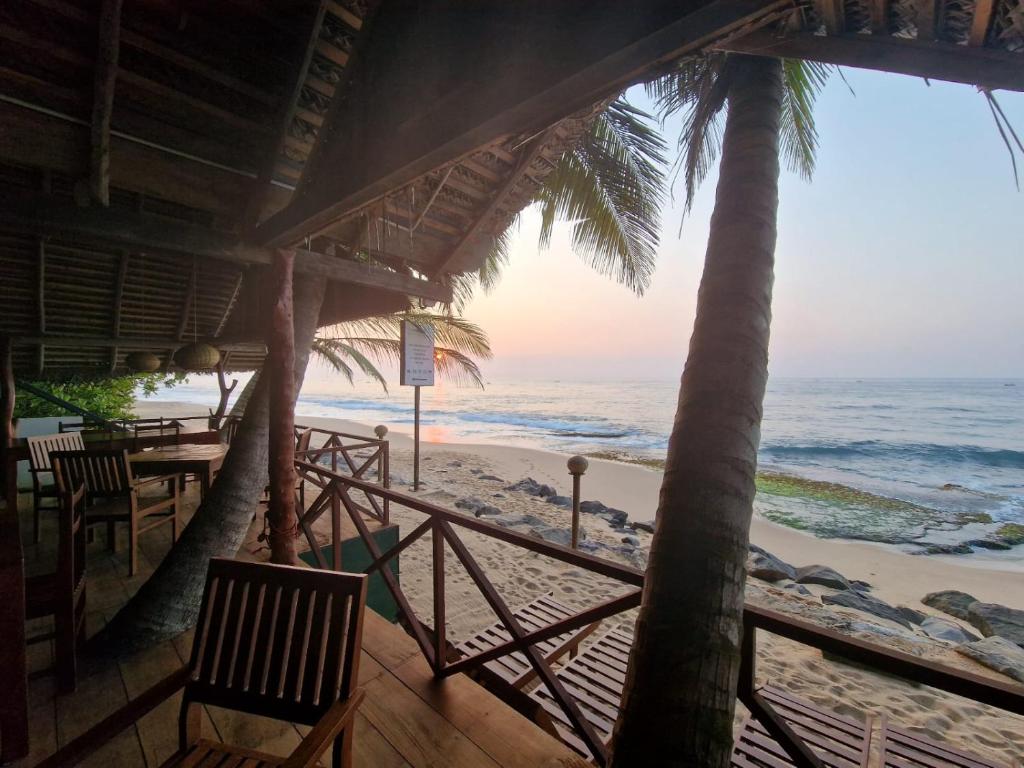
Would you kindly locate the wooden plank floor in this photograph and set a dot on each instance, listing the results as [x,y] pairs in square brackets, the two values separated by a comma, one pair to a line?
[408,718]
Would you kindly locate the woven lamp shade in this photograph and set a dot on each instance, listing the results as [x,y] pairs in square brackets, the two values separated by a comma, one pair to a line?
[142,362]
[197,357]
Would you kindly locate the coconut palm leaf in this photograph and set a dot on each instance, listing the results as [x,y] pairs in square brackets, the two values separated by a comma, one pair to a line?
[698,88]
[371,340]
[610,188]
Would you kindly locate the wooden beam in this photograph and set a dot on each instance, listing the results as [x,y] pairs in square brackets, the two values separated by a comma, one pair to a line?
[833,15]
[529,154]
[149,234]
[41,302]
[416,100]
[928,17]
[8,468]
[935,60]
[981,22]
[122,277]
[104,78]
[186,305]
[258,198]
[880,17]
[280,366]
[136,342]
[229,306]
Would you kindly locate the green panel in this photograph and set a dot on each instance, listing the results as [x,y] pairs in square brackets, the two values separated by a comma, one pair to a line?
[355,557]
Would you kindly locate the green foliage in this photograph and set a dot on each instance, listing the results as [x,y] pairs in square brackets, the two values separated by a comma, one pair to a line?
[112,398]
[698,87]
[378,339]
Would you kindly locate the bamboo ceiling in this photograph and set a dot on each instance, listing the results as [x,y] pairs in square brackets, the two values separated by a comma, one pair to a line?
[204,121]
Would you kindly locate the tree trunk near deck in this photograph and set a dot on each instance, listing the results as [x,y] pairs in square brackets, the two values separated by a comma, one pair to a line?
[680,694]
[281,518]
[168,603]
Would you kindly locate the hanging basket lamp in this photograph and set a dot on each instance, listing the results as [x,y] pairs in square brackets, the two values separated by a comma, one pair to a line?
[142,362]
[197,357]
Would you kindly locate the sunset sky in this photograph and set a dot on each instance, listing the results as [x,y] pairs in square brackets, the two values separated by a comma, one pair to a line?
[904,257]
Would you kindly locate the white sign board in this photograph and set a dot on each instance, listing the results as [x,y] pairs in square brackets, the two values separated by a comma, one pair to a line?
[417,366]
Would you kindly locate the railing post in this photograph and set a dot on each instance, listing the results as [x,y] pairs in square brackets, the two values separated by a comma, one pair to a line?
[440,645]
[577,466]
[383,465]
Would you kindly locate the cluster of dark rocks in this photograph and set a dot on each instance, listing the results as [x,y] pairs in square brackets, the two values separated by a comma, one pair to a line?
[1000,647]
[628,548]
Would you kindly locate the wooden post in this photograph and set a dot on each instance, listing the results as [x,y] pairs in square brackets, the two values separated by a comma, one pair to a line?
[281,370]
[104,79]
[416,443]
[577,466]
[8,467]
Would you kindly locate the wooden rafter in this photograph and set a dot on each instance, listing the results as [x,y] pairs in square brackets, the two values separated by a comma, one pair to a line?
[529,154]
[928,17]
[936,60]
[833,15]
[402,131]
[981,22]
[880,17]
[41,302]
[187,305]
[104,79]
[136,342]
[122,279]
[141,232]
[229,305]
[258,197]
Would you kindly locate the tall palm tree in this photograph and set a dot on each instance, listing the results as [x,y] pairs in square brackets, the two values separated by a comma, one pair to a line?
[680,690]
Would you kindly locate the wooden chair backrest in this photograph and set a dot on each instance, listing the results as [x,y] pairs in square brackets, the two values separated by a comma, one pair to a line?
[40,447]
[161,428]
[106,473]
[72,535]
[277,641]
[231,428]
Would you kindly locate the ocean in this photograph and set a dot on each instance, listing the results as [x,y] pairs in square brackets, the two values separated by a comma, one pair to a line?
[931,466]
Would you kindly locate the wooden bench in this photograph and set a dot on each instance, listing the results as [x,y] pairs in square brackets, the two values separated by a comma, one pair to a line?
[903,749]
[514,670]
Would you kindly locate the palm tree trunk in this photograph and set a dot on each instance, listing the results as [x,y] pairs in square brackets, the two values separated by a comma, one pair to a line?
[168,603]
[681,682]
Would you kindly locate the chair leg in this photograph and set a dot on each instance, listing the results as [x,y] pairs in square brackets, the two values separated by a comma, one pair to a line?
[64,649]
[112,536]
[176,517]
[35,521]
[342,753]
[133,544]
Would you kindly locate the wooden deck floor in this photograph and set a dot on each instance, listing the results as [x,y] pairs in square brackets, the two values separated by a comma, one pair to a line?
[407,718]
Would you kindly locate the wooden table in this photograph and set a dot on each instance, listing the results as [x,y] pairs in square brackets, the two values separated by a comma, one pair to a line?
[201,460]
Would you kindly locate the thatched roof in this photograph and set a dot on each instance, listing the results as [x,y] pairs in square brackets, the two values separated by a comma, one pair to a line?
[151,156]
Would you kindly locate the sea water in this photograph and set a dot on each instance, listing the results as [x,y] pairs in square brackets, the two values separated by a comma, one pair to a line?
[932,466]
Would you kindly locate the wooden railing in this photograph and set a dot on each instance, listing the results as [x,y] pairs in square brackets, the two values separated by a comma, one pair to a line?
[443,525]
[986,690]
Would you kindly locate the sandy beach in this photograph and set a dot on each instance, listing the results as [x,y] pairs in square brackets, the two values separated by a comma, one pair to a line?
[478,473]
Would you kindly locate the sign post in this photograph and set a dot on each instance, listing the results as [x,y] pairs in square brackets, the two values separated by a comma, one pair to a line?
[417,370]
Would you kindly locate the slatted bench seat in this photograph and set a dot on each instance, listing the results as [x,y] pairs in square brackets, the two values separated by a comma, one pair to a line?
[840,741]
[514,669]
[903,749]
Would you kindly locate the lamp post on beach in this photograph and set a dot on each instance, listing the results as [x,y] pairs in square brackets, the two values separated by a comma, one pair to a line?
[577,466]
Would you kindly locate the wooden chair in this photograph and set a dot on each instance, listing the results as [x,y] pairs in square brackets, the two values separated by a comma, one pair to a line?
[61,594]
[44,488]
[272,640]
[230,428]
[158,428]
[514,670]
[113,495]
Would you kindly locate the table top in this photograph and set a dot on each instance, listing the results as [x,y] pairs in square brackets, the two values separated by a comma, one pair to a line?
[185,452]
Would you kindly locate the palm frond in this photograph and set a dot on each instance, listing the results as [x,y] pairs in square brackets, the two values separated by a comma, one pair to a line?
[802,82]
[325,352]
[455,366]
[610,187]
